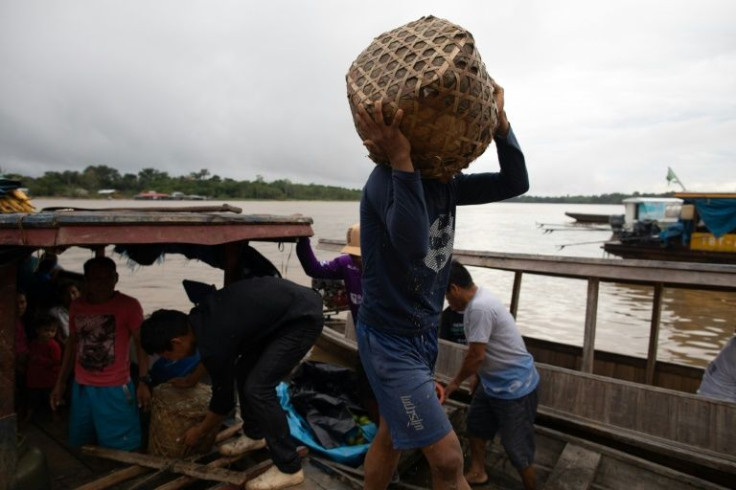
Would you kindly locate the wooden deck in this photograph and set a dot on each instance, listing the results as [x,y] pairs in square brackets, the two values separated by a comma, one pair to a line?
[89,469]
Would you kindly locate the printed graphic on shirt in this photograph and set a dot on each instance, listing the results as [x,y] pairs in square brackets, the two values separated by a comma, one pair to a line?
[356,299]
[441,236]
[96,334]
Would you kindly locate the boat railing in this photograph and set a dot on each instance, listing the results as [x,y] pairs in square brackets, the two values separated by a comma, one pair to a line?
[658,275]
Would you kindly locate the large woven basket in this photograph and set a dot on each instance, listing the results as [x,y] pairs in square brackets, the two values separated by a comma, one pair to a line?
[431,69]
[173,411]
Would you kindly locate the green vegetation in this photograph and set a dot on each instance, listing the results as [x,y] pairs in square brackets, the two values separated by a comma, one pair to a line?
[614,198]
[88,183]
[93,179]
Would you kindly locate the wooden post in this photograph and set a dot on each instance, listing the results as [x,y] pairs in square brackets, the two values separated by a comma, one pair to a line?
[515,293]
[8,418]
[232,262]
[654,333]
[591,314]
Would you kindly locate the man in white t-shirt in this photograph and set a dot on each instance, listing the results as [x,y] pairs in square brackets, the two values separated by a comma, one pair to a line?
[719,379]
[505,399]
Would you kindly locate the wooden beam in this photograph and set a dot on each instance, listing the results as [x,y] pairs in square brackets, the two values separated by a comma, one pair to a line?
[721,277]
[515,293]
[575,469]
[654,333]
[8,305]
[184,481]
[591,314]
[173,465]
[8,422]
[114,478]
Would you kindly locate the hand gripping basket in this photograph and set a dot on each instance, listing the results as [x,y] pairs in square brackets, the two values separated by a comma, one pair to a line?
[173,411]
[432,70]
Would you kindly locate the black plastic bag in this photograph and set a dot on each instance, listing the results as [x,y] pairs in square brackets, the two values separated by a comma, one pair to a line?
[325,396]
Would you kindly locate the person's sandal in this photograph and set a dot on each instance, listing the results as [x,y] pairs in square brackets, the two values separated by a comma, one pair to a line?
[241,445]
[274,479]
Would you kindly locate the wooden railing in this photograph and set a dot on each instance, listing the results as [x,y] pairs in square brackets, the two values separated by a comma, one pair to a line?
[657,274]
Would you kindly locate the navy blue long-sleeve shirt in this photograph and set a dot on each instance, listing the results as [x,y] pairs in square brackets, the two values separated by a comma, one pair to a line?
[407,233]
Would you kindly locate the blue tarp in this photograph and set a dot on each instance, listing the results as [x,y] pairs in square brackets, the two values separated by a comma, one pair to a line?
[719,215]
[349,455]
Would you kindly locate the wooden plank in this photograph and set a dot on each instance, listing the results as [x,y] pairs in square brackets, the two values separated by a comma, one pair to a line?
[249,474]
[670,274]
[8,422]
[515,294]
[575,470]
[184,481]
[169,464]
[229,432]
[114,478]
[682,421]
[8,305]
[591,316]
[654,333]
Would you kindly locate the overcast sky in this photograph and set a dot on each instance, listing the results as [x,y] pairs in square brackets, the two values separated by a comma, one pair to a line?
[603,96]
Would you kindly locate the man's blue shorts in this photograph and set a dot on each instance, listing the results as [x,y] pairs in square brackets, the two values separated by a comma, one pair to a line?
[105,415]
[400,370]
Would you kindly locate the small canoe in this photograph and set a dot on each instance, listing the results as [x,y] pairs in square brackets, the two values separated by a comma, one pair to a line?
[588,217]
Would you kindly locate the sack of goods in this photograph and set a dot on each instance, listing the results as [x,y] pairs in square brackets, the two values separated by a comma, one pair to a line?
[173,412]
[432,70]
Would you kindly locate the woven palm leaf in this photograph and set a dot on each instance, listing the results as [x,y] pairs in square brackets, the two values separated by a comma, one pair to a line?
[173,411]
[432,70]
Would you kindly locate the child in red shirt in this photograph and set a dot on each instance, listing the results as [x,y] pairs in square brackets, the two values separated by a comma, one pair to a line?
[44,363]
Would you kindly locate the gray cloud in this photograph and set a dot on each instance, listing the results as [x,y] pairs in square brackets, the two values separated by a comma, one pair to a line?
[603,96]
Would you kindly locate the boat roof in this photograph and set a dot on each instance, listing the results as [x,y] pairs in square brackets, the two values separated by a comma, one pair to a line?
[91,228]
[666,200]
[706,195]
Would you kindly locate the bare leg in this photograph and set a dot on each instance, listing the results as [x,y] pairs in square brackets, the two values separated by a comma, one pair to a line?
[529,477]
[477,471]
[381,460]
[445,459]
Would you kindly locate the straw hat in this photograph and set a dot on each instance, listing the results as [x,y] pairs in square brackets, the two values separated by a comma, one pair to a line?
[353,239]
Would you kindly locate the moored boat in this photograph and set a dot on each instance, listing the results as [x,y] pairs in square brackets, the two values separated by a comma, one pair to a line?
[589,218]
[705,231]
[213,234]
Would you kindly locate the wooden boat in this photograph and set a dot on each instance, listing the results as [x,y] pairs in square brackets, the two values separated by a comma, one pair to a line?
[703,232]
[589,218]
[641,406]
[154,231]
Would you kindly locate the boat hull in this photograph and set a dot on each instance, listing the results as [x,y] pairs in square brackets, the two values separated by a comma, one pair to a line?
[660,425]
[654,251]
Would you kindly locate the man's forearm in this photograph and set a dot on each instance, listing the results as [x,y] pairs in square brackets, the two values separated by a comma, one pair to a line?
[210,421]
[469,368]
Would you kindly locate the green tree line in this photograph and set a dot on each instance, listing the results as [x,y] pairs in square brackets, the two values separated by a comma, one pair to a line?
[613,198]
[71,183]
[91,180]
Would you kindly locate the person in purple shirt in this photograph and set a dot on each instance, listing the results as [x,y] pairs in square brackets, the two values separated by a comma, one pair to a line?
[347,267]
[407,234]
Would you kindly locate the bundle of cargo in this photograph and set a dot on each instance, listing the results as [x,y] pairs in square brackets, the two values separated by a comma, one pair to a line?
[173,411]
[13,199]
[432,70]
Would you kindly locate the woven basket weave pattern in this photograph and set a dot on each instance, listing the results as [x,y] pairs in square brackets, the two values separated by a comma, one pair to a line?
[431,69]
[173,411]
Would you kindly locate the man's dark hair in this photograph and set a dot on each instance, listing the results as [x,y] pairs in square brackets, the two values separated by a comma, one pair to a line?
[158,329]
[459,276]
[105,262]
